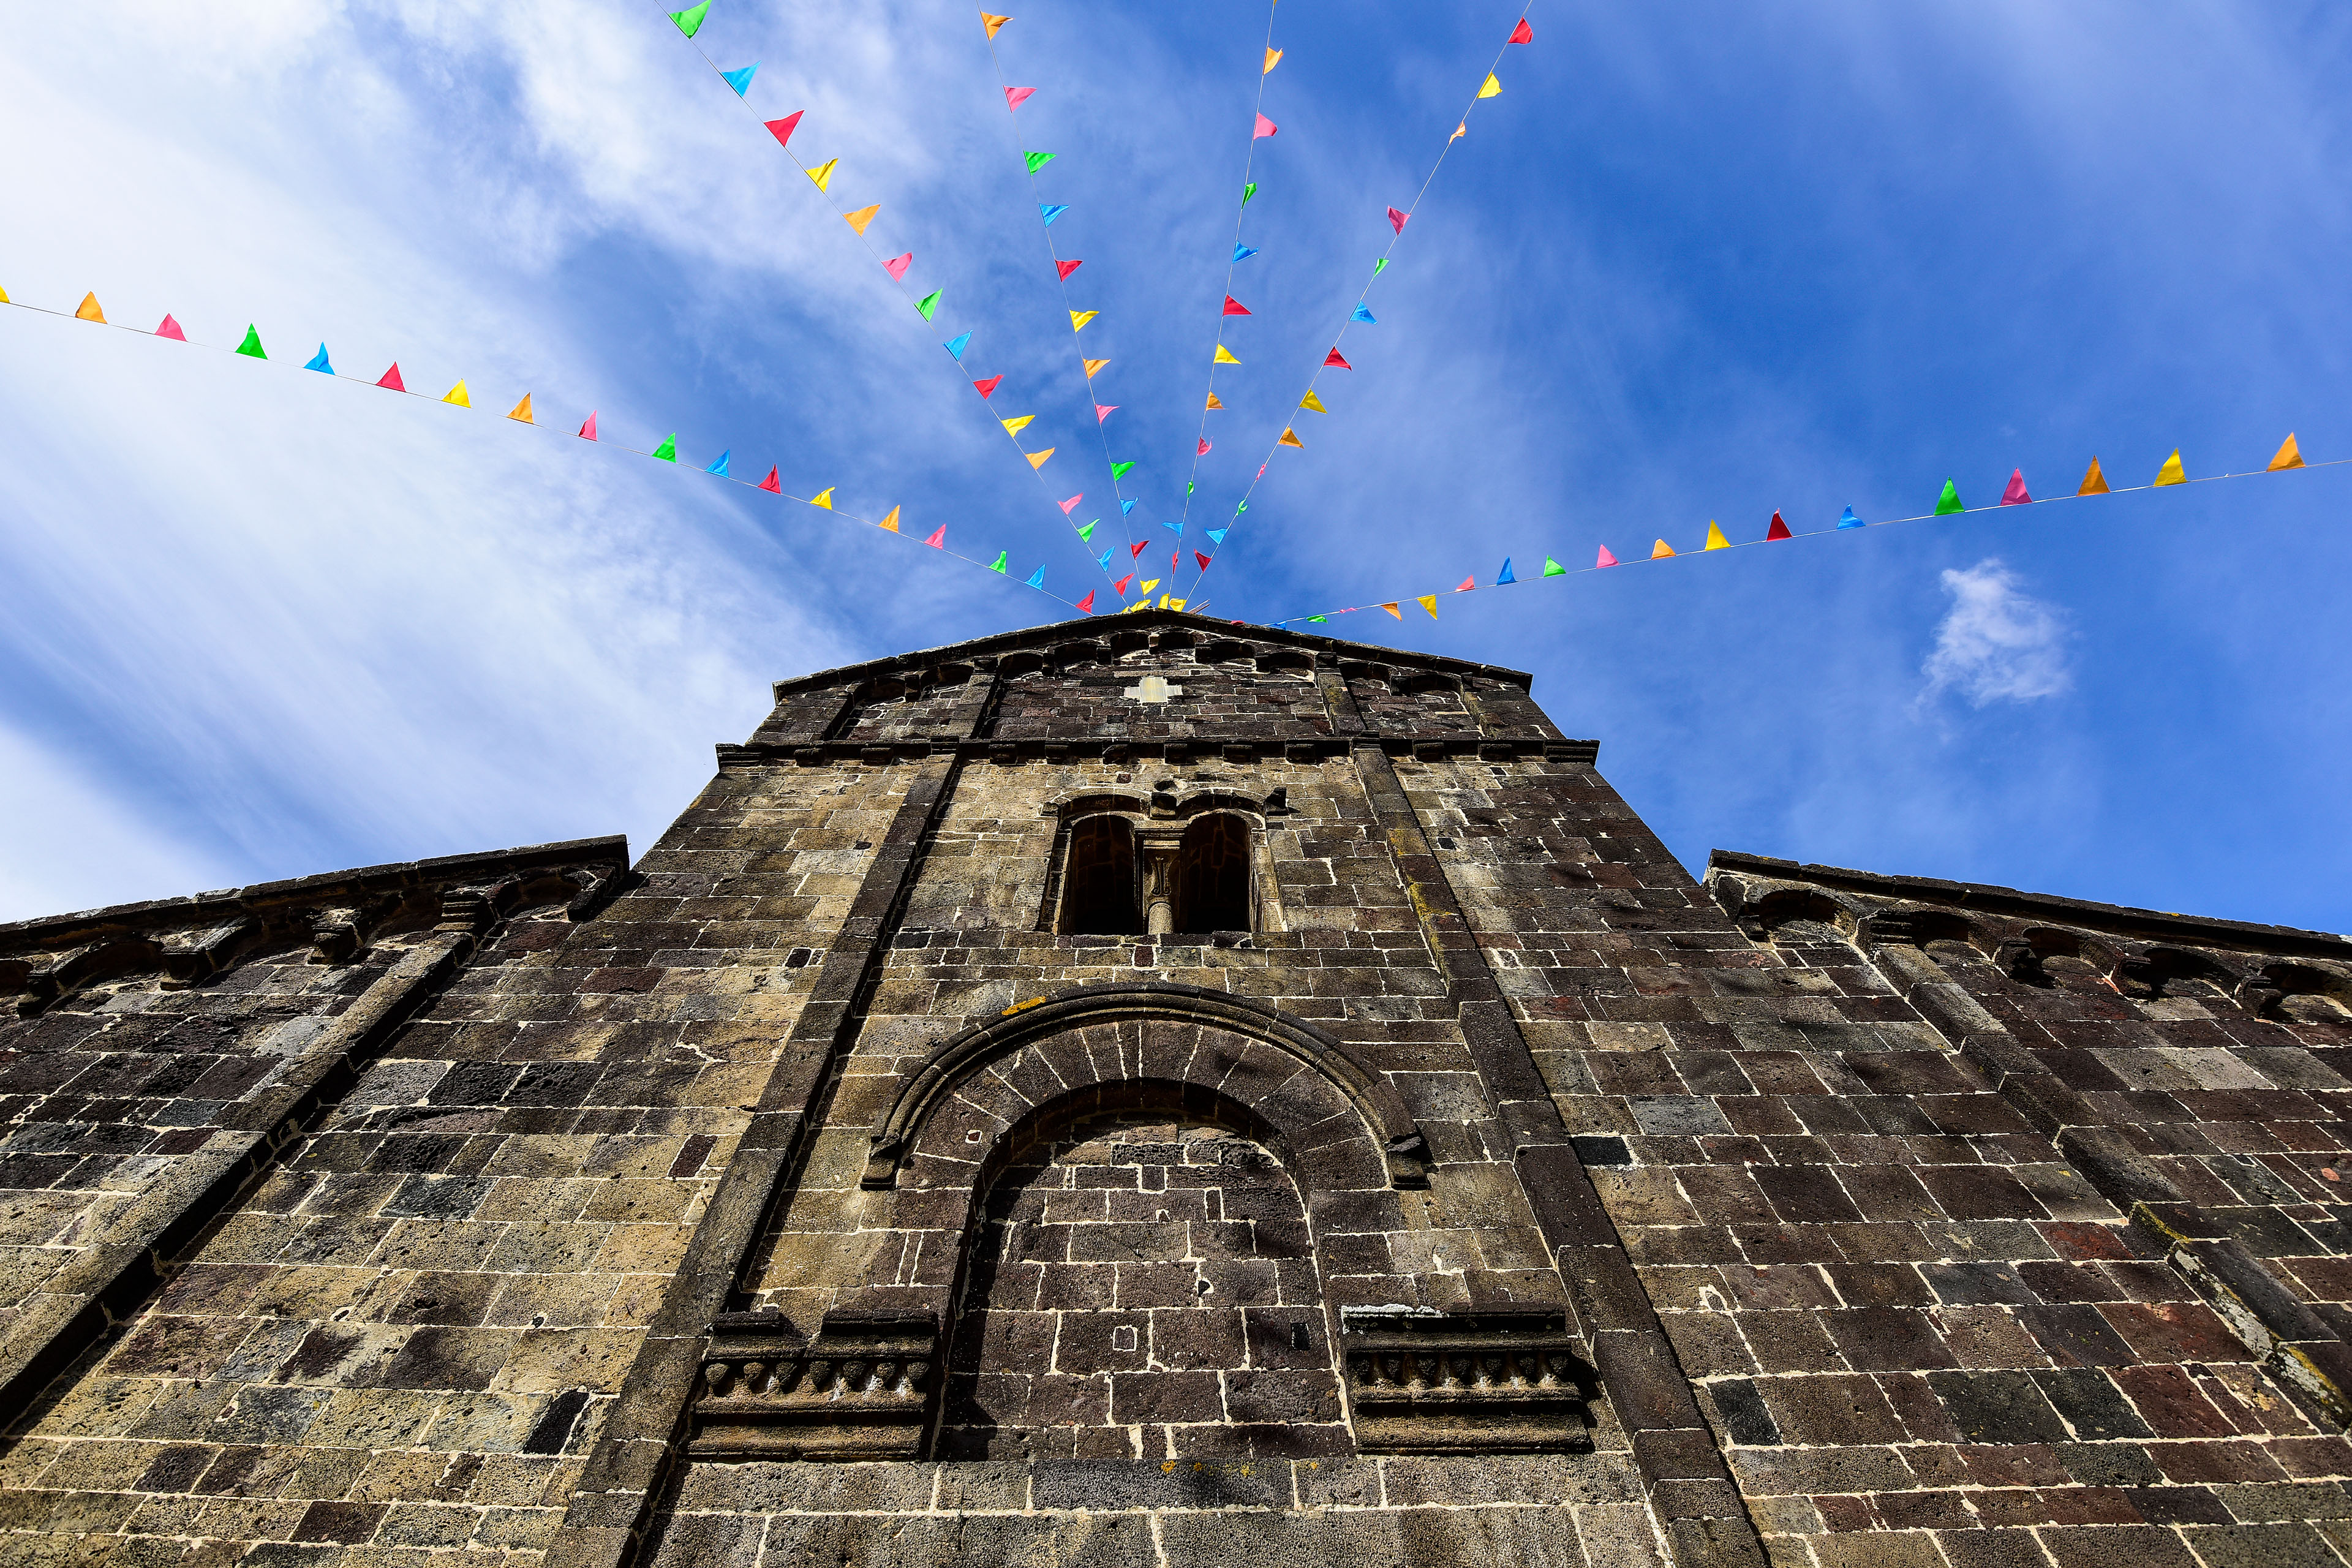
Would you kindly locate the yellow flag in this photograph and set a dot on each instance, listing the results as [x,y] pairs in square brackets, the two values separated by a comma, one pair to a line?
[523,411]
[2095,482]
[1037,459]
[1079,319]
[1391,609]
[1272,58]
[2172,473]
[1427,602]
[993,24]
[1214,402]
[823,498]
[458,396]
[1715,539]
[1092,365]
[2290,456]
[1154,583]
[1290,438]
[87,309]
[1172,604]
[1661,551]
[1313,403]
[1014,427]
[1492,89]
[861,217]
[4,297]
[891,521]
[1225,356]
[822,172]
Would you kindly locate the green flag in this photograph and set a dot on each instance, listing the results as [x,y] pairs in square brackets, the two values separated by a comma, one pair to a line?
[667,450]
[251,347]
[997,564]
[1248,191]
[1319,617]
[1087,533]
[1379,267]
[1553,568]
[1949,501]
[1118,471]
[1188,487]
[1036,160]
[689,21]
[928,303]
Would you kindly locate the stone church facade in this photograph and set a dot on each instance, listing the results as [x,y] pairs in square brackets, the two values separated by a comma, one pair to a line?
[1153,1092]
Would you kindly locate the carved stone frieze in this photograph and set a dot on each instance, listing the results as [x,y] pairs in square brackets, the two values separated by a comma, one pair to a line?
[1419,1382]
[863,1387]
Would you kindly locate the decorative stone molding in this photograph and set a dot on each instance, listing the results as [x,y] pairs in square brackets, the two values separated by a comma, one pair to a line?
[1420,1383]
[862,1388]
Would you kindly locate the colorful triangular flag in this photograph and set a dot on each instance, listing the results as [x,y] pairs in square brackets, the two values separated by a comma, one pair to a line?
[1037,459]
[2172,473]
[939,539]
[1949,502]
[1092,365]
[771,484]
[1490,88]
[1225,356]
[822,172]
[993,24]
[1272,58]
[87,309]
[1036,160]
[1289,438]
[1312,402]
[667,450]
[1505,575]
[2290,456]
[1234,306]
[1465,586]
[781,130]
[1087,605]
[1848,519]
[171,329]
[1604,558]
[1066,268]
[1360,313]
[719,467]
[521,411]
[458,396]
[251,347]
[689,21]
[891,521]
[997,564]
[988,388]
[1661,549]
[1243,252]
[1104,411]
[1523,34]
[2095,481]
[2015,495]
[1427,602]
[1715,539]
[929,305]
[1018,423]
[1248,191]
[1393,610]
[1397,220]
[1214,404]
[1333,359]
[1015,96]
[319,362]
[1037,578]
[956,344]
[1049,211]
[1203,449]
[823,498]
[1079,319]
[1120,471]
[1120,587]
[1203,561]
[1217,535]
[861,217]
[587,425]
[1778,530]
[1264,128]
[741,80]
[1071,505]
[1553,568]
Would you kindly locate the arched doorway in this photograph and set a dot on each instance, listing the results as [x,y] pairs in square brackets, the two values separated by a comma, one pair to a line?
[1140,1284]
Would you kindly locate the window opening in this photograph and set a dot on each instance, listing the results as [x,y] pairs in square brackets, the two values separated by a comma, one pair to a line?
[1213,881]
[1099,886]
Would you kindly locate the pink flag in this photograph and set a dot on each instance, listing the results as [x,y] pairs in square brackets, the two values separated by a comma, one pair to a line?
[1397,219]
[1016,96]
[1604,559]
[1264,128]
[2015,495]
[1203,450]
[1467,583]
[939,539]
[1104,411]
[897,265]
[1072,502]
[391,379]
[587,430]
[171,329]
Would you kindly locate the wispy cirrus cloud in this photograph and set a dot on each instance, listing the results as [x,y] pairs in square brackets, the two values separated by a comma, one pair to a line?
[1996,643]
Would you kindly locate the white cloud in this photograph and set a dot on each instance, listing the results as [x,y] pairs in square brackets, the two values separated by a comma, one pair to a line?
[1996,644]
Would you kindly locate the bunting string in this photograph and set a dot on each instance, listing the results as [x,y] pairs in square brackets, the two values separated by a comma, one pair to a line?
[1260,130]
[2289,459]
[525,412]
[1089,369]
[689,23]
[1489,87]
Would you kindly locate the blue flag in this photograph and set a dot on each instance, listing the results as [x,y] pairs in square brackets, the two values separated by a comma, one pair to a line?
[1125,506]
[1037,578]
[1049,211]
[719,467]
[1217,535]
[741,80]
[1849,520]
[1104,561]
[1506,577]
[1177,526]
[319,361]
[955,345]
[1243,251]
[1363,315]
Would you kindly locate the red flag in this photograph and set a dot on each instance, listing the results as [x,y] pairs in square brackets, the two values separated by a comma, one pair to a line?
[1234,306]
[1467,583]
[1397,219]
[782,129]
[1264,128]
[1203,449]
[1073,502]
[1066,268]
[1120,587]
[391,379]
[1087,605]
[1175,561]
[1203,561]
[1333,358]
[1523,34]
[587,428]
[939,539]
[1778,530]
[1137,549]
[171,329]
[988,388]
[897,265]
[770,484]
[1016,96]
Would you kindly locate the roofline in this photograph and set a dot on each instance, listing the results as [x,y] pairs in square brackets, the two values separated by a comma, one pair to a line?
[1055,631]
[2121,920]
[191,907]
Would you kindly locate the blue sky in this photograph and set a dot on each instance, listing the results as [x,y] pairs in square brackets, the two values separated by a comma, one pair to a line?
[1696,262]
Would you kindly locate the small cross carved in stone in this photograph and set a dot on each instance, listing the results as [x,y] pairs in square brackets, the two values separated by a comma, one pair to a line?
[1152,688]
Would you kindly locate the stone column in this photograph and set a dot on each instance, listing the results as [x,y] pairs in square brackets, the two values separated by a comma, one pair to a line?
[1156,850]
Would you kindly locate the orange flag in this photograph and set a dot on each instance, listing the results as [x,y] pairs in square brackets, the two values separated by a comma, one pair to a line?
[2094,483]
[1660,551]
[87,309]
[995,24]
[2290,456]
